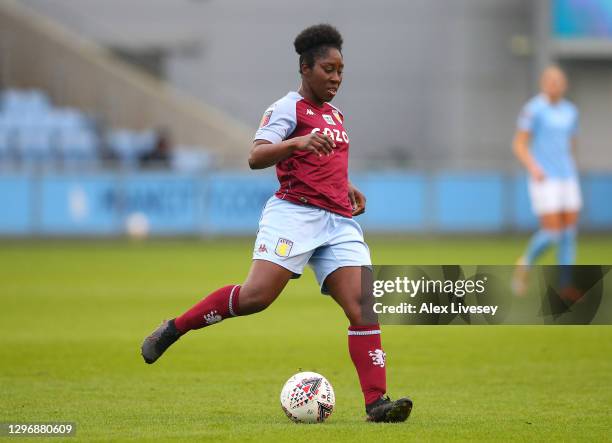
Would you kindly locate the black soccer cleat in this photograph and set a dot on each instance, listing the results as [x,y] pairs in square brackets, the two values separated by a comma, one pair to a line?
[156,344]
[384,410]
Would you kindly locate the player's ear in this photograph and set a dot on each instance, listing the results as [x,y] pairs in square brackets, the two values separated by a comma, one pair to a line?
[304,68]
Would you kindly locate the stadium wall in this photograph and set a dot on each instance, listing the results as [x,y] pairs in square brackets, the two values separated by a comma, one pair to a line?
[230,203]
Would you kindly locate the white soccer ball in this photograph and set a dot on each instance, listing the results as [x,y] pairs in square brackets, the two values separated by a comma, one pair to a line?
[137,225]
[308,397]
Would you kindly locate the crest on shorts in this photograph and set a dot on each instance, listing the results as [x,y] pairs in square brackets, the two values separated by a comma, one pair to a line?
[266,118]
[283,247]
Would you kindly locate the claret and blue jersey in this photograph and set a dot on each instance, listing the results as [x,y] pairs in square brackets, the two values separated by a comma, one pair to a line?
[552,127]
[306,178]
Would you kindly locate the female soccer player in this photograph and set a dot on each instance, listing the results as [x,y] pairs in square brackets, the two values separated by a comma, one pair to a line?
[544,141]
[308,220]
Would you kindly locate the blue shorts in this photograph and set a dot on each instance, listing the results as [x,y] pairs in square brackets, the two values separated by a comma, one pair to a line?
[292,236]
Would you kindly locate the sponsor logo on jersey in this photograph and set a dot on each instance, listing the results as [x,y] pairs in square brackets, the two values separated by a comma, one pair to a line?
[262,248]
[266,118]
[328,119]
[309,112]
[335,134]
[283,247]
[337,115]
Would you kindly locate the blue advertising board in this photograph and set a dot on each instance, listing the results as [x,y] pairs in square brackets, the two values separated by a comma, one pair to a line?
[103,204]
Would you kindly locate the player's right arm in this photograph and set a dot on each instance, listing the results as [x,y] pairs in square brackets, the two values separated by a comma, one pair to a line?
[522,140]
[521,150]
[265,153]
[273,142]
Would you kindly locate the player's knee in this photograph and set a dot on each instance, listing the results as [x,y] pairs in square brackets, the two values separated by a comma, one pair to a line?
[354,314]
[554,235]
[360,311]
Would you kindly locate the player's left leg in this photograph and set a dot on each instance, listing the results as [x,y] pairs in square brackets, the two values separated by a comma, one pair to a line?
[263,285]
[566,254]
[571,203]
[364,343]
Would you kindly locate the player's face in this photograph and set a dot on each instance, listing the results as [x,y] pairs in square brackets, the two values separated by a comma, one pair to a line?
[554,83]
[325,77]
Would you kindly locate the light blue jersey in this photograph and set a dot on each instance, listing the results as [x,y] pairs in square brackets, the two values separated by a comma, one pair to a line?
[552,127]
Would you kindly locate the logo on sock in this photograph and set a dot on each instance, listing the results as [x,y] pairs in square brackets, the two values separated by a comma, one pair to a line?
[212,317]
[378,357]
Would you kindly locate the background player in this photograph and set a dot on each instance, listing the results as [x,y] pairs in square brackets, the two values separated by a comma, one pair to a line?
[308,221]
[544,143]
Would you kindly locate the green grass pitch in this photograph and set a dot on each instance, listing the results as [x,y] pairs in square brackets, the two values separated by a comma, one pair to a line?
[73,315]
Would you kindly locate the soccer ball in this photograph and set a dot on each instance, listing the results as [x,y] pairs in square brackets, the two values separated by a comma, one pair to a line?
[308,397]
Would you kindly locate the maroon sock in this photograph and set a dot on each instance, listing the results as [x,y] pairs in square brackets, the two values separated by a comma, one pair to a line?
[219,305]
[369,360]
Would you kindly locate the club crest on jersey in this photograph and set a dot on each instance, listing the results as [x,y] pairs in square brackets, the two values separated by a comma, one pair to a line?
[266,118]
[337,115]
[328,119]
[283,247]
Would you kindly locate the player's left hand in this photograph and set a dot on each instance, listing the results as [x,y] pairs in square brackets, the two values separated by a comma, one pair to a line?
[358,200]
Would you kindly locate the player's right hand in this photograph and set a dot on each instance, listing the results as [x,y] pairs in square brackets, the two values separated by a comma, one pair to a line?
[315,142]
[537,174]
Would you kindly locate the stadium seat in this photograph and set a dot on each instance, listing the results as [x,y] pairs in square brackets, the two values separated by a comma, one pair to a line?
[7,153]
[34,146]
[190,159]
[35,133]
[27,101]
[130,146]
[78,149]
[65,119]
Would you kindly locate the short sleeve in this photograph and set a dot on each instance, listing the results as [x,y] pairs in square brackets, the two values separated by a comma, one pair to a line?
[278,122]
[525,121]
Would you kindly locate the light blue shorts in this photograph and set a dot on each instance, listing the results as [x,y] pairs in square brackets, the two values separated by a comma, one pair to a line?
[292,236]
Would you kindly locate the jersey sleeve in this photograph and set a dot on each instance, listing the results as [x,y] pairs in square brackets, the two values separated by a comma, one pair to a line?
[278,122]
[526,118]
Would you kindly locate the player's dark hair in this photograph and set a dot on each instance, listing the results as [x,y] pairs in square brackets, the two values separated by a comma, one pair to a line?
[314,41]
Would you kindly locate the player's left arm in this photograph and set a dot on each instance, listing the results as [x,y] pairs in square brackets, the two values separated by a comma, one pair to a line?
[358,200]
[574,136]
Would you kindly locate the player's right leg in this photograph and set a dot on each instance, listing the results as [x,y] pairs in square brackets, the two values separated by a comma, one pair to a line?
[364,342]
[547,202]
[548,235]
[263,285]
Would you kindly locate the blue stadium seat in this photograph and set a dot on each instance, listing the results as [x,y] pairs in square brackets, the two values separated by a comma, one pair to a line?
[35,133]
[78,149]
[7,151]
[24,101]
[34,146]
[64,119]
[129,146]
[191,159]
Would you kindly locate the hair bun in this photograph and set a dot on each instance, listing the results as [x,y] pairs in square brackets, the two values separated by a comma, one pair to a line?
[315,36]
